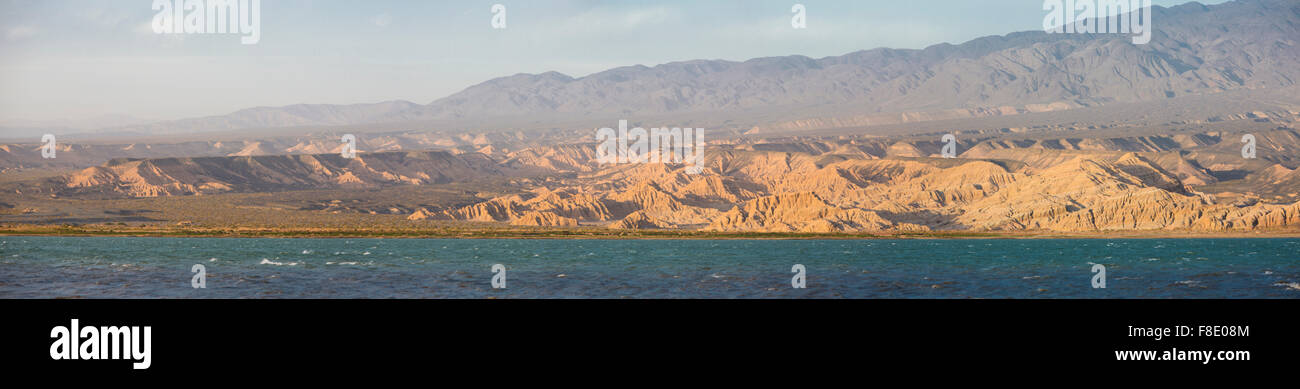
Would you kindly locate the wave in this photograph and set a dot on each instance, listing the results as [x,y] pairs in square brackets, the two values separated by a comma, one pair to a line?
[270,262]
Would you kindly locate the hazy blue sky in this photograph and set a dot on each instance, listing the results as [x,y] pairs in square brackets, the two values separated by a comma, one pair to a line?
[64,59]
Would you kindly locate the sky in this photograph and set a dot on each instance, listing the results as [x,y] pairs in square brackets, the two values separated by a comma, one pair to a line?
[65,60]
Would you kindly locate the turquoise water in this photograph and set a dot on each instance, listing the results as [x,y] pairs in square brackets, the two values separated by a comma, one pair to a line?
[55,267]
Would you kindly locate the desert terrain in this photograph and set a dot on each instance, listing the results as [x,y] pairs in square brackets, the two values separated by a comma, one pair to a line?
[1175,178]
[1053,134]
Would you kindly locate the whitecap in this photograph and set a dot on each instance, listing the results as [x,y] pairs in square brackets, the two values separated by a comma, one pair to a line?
[270,262]
[1289,285]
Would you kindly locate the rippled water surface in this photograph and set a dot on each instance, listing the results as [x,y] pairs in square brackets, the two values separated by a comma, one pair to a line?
[53,267]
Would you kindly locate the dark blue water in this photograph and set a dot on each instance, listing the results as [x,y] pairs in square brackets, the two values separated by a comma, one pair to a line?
[56,267]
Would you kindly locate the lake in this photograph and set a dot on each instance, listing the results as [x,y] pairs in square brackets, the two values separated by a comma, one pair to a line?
[114,267]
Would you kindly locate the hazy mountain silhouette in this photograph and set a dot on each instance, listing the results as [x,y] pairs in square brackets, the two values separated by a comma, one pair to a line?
[1195,49]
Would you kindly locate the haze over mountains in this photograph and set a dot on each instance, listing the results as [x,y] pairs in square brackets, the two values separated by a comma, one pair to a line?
[1195,49]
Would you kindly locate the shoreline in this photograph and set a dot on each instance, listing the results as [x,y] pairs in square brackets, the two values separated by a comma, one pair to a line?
[601,234]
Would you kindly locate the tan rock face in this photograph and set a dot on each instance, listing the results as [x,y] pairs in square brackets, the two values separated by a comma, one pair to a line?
[797,192]
[564,203]
[797,212]
[423,214]
[186,176]
[543,219]
[640,220]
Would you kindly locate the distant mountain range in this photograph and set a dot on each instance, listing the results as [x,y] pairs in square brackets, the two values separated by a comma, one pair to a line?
[1195,49]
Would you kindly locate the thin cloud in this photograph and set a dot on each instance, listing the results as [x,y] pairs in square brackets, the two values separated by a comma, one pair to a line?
[103,17]
[600,21]
[382,20]
[18,33]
